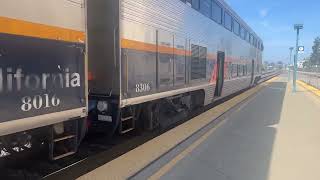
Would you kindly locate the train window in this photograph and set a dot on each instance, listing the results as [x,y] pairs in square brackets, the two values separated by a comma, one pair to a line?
[234,70]
[227,21]
[196,4]
[205,7]
[216,12]
[236,27]
[198,62]
[249,68]
[180,61]
[243,33]
[248,37]
[203,62]
[251,39]
[230,70]
[240,71]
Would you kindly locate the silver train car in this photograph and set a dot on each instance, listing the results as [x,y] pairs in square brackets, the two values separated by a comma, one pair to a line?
[149,55]
[43,76]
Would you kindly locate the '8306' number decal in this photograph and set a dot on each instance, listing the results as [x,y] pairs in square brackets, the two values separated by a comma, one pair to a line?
[39,101]
[143,87]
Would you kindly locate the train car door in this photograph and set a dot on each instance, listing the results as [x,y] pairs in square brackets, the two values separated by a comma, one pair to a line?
[252,71]
[220,73]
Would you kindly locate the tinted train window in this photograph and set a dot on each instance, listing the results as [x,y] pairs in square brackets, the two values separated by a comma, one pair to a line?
[196,4]
[243,33]
[248,37]
[203,62]
[198,62]
[240,71]
[180,61]
[227,21]
[251,39]
[216,12]
[236,27]
[234,70]
[205,7]
[230,70]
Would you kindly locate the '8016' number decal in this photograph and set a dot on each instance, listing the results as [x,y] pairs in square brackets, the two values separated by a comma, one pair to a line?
[143,87]
[39,101]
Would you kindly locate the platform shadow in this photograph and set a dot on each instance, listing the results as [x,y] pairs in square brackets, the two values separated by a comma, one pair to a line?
[242,148]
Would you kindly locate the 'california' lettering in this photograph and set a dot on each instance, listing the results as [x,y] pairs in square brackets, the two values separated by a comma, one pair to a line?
[16,80]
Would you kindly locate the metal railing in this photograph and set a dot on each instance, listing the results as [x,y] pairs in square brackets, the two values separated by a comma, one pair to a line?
[311,78]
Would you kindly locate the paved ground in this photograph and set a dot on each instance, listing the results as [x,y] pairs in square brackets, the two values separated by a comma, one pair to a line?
[275,136]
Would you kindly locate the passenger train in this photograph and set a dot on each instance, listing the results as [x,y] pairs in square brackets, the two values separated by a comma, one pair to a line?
[147,55]
[70,67]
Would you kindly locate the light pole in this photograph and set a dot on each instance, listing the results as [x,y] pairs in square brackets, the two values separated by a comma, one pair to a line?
[297,27]
[291,49]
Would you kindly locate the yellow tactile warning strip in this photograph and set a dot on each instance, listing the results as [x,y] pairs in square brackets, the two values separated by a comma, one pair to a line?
[132,162]
[30,29]
[309,88]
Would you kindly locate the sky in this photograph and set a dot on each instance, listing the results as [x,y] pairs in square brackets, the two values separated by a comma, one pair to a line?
[273,21]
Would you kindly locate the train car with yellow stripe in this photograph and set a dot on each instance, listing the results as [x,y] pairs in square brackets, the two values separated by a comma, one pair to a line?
[43,79]
[150,56]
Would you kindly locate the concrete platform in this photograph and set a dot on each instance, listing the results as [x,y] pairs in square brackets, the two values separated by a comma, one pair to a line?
[152,155]
[275,136]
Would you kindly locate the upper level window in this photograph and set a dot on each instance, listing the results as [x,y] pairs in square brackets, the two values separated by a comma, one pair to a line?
[216,12]
[196,4]
[248,37]
[227,21]
[251,39]
[236,27]
[205,7]
[243,33]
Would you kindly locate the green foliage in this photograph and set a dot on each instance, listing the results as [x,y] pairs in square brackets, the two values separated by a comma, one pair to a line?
[315,56]
[306,64]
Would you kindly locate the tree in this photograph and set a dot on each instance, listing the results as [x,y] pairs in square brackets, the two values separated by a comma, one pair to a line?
[306,64]
[315,56]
